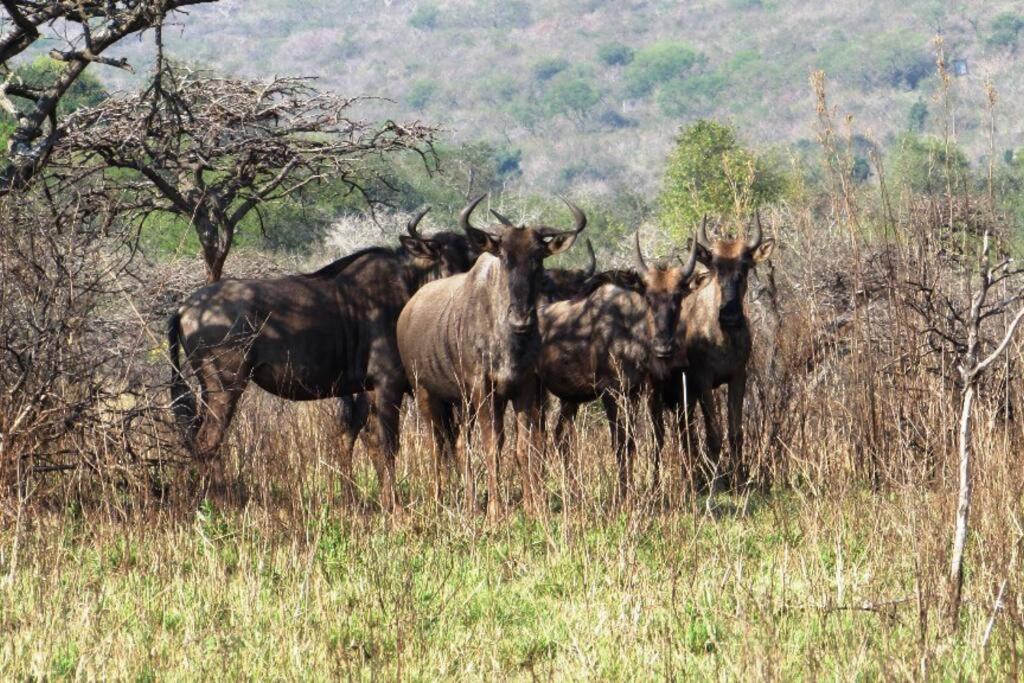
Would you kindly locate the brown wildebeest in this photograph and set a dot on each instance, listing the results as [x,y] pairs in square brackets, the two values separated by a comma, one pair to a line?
[474,338]
[614,341]
[305,337]
[715,337]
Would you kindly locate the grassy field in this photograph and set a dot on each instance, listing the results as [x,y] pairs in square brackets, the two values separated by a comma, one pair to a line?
[805,582]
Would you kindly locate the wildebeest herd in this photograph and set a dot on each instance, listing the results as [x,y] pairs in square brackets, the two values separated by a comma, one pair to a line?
[470,322]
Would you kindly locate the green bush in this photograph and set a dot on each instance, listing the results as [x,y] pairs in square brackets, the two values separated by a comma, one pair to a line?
[710,172]
[1006,28]
[686,96]
[571,95]
[615,54]
[927,165]
[658,64]
[425,17]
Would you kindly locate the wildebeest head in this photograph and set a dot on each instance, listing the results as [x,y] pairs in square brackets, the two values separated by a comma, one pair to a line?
[730,262]
[441,255]
[664,286]
[521,250]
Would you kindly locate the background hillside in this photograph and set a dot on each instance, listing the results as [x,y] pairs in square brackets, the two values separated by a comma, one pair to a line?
[591,92]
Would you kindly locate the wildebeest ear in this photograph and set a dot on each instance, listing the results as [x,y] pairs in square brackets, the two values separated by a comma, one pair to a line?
[483,241]
[420,248]
[559,242]
[703,254]
[699,280]
[763,250]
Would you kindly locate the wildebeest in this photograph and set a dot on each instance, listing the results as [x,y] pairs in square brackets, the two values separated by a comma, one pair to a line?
[715,337]
[473,338]
[308,336]
[614,341]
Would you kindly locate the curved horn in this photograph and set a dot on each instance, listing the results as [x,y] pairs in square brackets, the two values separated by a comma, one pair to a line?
[638,257]
[504,221]
[466,212]
[702,234]
[592,268]
[755,238]
[577,214]
[691,263]
[410,227]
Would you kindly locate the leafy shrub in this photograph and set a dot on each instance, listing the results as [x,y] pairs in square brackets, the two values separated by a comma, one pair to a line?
[685,96]
[572,95]
[658,64]
[898,60]
[420,94]
[548,68]
[927,165]
[615,54]
[425,17]
[1006,28]
[711,172]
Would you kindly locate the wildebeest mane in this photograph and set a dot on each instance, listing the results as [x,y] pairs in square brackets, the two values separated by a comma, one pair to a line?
[336,267]
[627,279]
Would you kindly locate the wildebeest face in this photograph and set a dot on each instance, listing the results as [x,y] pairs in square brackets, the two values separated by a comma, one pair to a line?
[521,250]
[664,287]
[664,292]
[730,262]
[444,254]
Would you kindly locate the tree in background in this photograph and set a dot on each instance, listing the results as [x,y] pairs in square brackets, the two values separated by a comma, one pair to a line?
[87,29]
[927,165]
[711,172]
[212,150]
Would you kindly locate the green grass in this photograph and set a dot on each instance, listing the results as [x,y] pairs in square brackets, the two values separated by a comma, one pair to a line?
[788,588]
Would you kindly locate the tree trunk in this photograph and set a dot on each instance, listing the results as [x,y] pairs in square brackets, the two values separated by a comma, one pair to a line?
[215,236]
[963,508]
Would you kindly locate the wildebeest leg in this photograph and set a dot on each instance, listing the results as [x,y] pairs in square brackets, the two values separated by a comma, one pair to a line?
[220,390]
[387,409]
[354,411]
[618,433]
[565,427]
[713,432]
[688,433]
[737,389]
[529,446]
[492,420]
[440,415]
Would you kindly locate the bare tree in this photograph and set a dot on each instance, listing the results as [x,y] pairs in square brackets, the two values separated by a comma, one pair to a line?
[87,29]
[972,367]
[211,150]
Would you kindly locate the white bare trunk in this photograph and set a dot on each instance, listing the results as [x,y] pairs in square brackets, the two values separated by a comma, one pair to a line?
[963,508]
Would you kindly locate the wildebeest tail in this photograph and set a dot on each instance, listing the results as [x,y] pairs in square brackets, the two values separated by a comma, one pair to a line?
[183,401]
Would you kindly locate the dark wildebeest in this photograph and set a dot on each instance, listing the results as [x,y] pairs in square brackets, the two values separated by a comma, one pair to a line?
[715,337]
[565,283]
[474,338]
[305,337]
[615,341]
